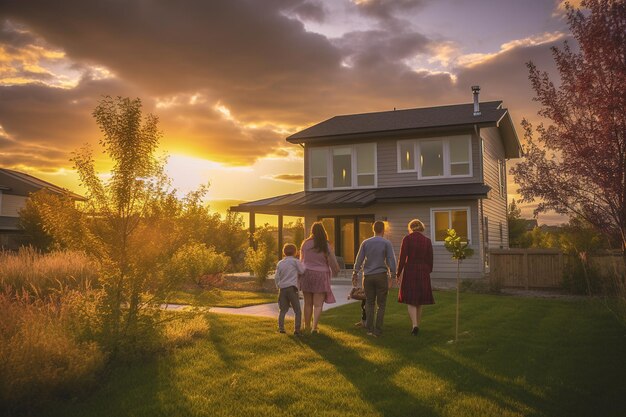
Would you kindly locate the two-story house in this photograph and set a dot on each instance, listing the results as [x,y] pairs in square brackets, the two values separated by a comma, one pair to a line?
[444,165]
[15,187]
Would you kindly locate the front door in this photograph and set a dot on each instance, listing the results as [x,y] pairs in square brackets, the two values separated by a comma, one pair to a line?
[346,233]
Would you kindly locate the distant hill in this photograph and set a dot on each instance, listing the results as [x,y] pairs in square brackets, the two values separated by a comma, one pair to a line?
[221,206]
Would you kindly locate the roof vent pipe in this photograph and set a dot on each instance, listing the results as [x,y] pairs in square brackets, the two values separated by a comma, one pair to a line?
[476,91]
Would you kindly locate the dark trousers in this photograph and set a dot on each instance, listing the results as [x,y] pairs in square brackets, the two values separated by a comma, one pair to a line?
[363,314]
[288,297]
[376,287]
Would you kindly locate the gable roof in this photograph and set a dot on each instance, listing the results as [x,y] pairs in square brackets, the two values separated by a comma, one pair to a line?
[408,120]
[20,183]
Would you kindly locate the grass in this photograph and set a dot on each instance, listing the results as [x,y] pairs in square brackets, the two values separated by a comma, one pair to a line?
[220,298]
[516,357]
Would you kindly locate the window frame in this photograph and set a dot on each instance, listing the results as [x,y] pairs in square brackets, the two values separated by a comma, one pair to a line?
[502,177]
[447,164]
[433,231]
[329,167]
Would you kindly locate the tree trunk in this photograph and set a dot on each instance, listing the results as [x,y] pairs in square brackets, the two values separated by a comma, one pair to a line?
[458,290]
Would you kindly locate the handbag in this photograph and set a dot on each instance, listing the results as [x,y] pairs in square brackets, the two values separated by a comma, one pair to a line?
[357,293]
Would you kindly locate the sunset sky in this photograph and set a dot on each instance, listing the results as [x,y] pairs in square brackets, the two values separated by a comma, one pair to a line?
[231,79]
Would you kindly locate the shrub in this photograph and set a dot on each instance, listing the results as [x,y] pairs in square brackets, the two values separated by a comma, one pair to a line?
[194,261]
[260,261]
[42,274]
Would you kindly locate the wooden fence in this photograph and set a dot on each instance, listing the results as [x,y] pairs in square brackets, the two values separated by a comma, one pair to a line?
[526,268]
[543,268]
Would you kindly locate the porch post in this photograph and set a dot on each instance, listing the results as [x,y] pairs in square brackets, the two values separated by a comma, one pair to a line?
[252,227]
[280,235]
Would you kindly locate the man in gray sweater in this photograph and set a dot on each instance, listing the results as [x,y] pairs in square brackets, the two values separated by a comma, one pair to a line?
[378,261]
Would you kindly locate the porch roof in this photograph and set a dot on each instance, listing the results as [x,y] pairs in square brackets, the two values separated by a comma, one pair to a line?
[361,198]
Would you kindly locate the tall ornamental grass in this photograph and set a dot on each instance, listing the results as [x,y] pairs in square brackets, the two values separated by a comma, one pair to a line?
[43,274]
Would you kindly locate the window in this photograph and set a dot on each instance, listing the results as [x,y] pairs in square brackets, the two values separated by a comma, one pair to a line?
[486,224]
[435,158]
[319,168]
[444,219]
[343,166]
[406,156]
[501,237]
[502,176]
[431,158]
[459,156]
[366,165]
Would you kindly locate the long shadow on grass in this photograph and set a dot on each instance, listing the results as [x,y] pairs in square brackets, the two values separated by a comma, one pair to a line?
[374,381]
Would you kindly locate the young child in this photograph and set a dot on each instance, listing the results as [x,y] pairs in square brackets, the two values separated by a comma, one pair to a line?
[286,280]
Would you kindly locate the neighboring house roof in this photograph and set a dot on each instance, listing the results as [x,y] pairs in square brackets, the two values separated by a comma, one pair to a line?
[362,198]
[9,223]
[410,120]
[19,183]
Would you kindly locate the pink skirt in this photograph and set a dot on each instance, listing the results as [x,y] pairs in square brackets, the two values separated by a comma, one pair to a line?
[317,282]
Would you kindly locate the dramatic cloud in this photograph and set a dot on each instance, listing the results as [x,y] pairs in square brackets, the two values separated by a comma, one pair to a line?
[230,80]
[297,178]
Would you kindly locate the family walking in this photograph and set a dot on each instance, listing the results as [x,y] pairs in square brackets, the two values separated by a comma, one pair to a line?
[375,261]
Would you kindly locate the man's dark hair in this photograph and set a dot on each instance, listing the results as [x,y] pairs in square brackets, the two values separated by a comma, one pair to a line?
[378,227]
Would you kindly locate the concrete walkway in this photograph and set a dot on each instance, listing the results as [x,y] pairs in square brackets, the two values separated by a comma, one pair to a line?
[271,310]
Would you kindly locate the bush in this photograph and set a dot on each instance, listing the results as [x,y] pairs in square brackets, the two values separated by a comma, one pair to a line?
[260,261]
[41,354]
[43,274]
[194,261]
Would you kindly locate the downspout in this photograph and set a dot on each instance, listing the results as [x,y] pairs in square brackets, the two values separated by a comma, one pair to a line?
[481,213]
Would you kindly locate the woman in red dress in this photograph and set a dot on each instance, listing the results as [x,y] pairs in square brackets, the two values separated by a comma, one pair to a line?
[416,261]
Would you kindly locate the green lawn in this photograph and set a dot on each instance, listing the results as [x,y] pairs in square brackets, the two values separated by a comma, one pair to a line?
[220,298]
[517,357]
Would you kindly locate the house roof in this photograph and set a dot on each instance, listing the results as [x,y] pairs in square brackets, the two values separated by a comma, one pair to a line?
[20,183]
[361,198]
[409,120]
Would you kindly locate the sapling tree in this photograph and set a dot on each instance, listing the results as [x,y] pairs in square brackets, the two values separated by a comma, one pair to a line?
[460,250]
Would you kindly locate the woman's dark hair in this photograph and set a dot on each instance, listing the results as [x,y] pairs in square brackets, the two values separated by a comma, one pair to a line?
[319,236]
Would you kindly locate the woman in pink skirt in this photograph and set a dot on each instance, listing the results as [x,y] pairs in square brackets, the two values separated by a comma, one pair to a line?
[319,258]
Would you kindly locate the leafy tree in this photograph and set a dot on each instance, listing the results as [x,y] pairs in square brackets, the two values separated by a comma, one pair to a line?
[232,239]
[460,250]
[577,165]
[130,219]
[517,225]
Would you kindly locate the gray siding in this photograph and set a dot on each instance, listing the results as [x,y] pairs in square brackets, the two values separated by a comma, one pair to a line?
[387,164]
[388,175]
[398,217]
[495,206]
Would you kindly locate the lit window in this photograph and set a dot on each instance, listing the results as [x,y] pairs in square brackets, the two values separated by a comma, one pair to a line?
[342,167]
[456,219]
[406,155]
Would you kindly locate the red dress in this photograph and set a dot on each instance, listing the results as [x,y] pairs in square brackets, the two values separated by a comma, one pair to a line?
[416,260]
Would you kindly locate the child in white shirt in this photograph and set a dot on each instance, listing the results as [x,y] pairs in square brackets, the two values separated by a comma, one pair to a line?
[286,280]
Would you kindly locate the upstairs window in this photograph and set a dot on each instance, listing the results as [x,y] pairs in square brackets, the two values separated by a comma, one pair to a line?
[459,157]
[351,166]
[342,167]
[431,158]
[502,176]
[406,156]
[319,168]
[436,158]
[366,165]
